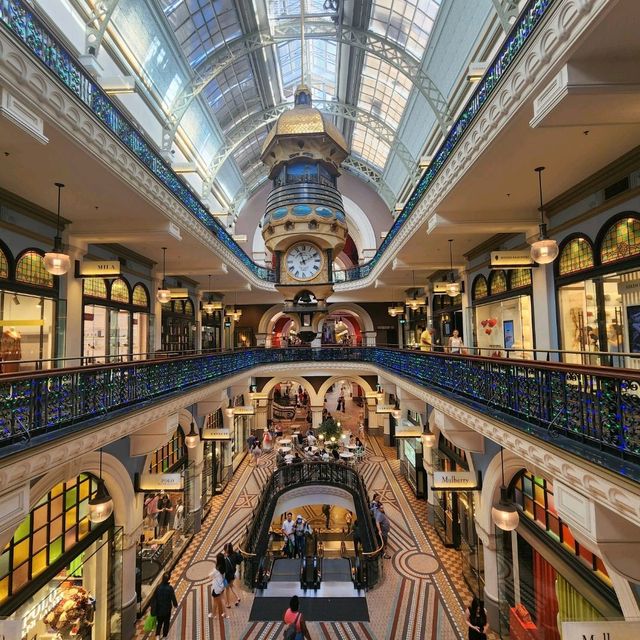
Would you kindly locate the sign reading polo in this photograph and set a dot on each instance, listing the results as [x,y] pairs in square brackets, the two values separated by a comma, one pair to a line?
[601,630]
[454,481]
[160,481]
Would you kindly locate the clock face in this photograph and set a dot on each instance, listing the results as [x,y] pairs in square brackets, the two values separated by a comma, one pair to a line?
[304,261]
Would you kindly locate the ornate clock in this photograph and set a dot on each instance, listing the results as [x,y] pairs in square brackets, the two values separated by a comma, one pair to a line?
[303,261]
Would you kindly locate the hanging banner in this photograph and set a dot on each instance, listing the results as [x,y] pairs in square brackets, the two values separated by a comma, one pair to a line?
[601,630]
[93,268]
[511,259]
[454,481]
[160,481]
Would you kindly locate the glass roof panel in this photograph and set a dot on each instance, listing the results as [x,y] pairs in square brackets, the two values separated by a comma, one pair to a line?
[203,137]
[202,26]
[407,22]
[369,147]
[248,152]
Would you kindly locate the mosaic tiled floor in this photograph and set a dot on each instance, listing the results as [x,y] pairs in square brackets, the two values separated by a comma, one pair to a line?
[422,595]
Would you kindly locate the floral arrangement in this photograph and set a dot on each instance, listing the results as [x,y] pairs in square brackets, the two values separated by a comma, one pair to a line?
[72,613]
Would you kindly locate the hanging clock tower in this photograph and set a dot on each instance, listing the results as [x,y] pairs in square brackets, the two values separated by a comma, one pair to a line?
[304,225]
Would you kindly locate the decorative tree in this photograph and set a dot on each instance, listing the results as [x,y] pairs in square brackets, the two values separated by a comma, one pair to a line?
[330,428]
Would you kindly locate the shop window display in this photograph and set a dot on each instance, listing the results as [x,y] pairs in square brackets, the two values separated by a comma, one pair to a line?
[505,324]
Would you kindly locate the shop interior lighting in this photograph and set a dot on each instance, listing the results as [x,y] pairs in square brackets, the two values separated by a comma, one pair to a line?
[57,262]
[164,294]
[453,287]
[544,250]
[101,505]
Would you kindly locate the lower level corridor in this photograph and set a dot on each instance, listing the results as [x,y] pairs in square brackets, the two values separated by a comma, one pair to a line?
[422,594]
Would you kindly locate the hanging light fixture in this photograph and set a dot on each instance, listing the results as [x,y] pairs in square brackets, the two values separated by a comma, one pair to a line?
[415,302]
[395,310]
[428,439]
[544,250]
[101,505]
[208,307]
[57,262]
[192,438]
[164,295]
[453,287]
[504,514]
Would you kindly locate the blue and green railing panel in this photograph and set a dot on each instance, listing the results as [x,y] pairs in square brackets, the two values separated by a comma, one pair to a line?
[599,408]
[19,18]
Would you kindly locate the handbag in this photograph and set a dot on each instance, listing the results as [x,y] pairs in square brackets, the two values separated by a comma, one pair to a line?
[290,633]
[150,623]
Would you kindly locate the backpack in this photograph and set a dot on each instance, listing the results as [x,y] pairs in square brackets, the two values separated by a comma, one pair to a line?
[291,632]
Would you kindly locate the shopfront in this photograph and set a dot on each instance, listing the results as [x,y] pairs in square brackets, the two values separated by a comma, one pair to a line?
[242,422]
[60,574]
[178,326]
[409,451]
[545,576]
[446,318]
[116,319]
[502,312]
[599,293]
[212,330]
[168,519]
[217,450]
[28,312]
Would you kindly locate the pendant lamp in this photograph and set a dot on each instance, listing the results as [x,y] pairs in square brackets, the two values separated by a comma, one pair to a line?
[164,295]
[192,438]
[208,307]
[428,439]
[57,262]
[504,514]
[101,505]
[453,287]
[544,250]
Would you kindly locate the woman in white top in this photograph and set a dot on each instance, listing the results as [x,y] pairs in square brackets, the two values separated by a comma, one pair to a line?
[455,342]
[218,587]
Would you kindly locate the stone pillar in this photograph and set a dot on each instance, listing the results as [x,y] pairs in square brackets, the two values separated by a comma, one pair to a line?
[129,596]
[156,310]
[544,315]
[196,465]
[261,340]
[316,416]
[72,291]
[383,422]
[369,338]
[467,317]
[262,411]
[491,591]
[198,340]
[370,415]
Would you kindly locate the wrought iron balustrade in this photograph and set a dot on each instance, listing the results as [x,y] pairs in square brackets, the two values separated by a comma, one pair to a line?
[598,407]
[335,474]
[19,17]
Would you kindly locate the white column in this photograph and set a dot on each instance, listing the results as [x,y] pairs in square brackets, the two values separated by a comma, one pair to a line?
[156,310]
[370,338]
[316,416]
[467,314]
[544,310]
[72,291]
[198,341]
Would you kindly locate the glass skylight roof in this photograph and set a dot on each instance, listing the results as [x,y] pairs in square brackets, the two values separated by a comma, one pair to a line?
[369,147]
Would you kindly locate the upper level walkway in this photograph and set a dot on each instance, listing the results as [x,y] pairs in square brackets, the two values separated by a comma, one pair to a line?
[591,412]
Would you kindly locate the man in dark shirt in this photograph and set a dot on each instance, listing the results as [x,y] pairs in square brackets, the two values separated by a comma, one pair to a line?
[163,599]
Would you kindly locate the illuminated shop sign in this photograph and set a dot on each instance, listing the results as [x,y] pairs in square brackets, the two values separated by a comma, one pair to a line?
[93,268]
[160,481]
[454,481]
[216,434]
[511,259]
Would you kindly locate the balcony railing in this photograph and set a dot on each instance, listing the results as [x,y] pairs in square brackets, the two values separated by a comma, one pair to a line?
[20,19]
[594,411]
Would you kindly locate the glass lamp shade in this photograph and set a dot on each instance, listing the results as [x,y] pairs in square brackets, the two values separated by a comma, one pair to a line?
[333,438]
[56,263]
[544,251]
[208,307]
[217,305]
[101,505]
[321,437]
[163,296]
[428,439]
[397,414]
[453,289]
[191,439]
[504,514]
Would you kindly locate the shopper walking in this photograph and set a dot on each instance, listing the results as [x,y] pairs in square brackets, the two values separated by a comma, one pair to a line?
[231,559]
[326,510]
[384,526]
[300,536]
[217,588]
[296,625]
[476,618]
[163,600]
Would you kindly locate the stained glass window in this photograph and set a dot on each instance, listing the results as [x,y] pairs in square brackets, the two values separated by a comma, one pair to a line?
[30,269]
[576,255]
[533,495]
[120,291]
[4,265]
[520,278]
[57,522]
[188,308]
[498,282]
[140,297]
[169,455]
[480,288]
[95,288]
[622,240]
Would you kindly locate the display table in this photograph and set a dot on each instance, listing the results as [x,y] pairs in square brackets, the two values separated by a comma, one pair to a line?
[155,555]
[347,455]
[284,441]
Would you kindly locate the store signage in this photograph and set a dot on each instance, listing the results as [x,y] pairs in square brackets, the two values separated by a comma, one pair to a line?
[454,481]
[179,294]
[92,268]
[407,429]
[216,434]
[605,630]
[385,408]
[628,286]
[511,259]
[244,410]
[160,481]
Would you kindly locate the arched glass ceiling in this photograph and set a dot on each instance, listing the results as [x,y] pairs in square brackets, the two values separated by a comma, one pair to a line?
[242,57]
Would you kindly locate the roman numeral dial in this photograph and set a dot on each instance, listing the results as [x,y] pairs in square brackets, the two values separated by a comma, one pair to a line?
[303,261]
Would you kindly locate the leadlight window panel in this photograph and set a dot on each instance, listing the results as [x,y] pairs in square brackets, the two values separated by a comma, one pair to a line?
[480,288]
[384,90]
[120,291]
[4,265]
[139,296]
[369,147]
[169,455]
[621,241]
[408,23]
[541,510]
[576,255]
[498,282]
[56,523]
[520,278]
[30,269]
[95,288]
[188,308]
